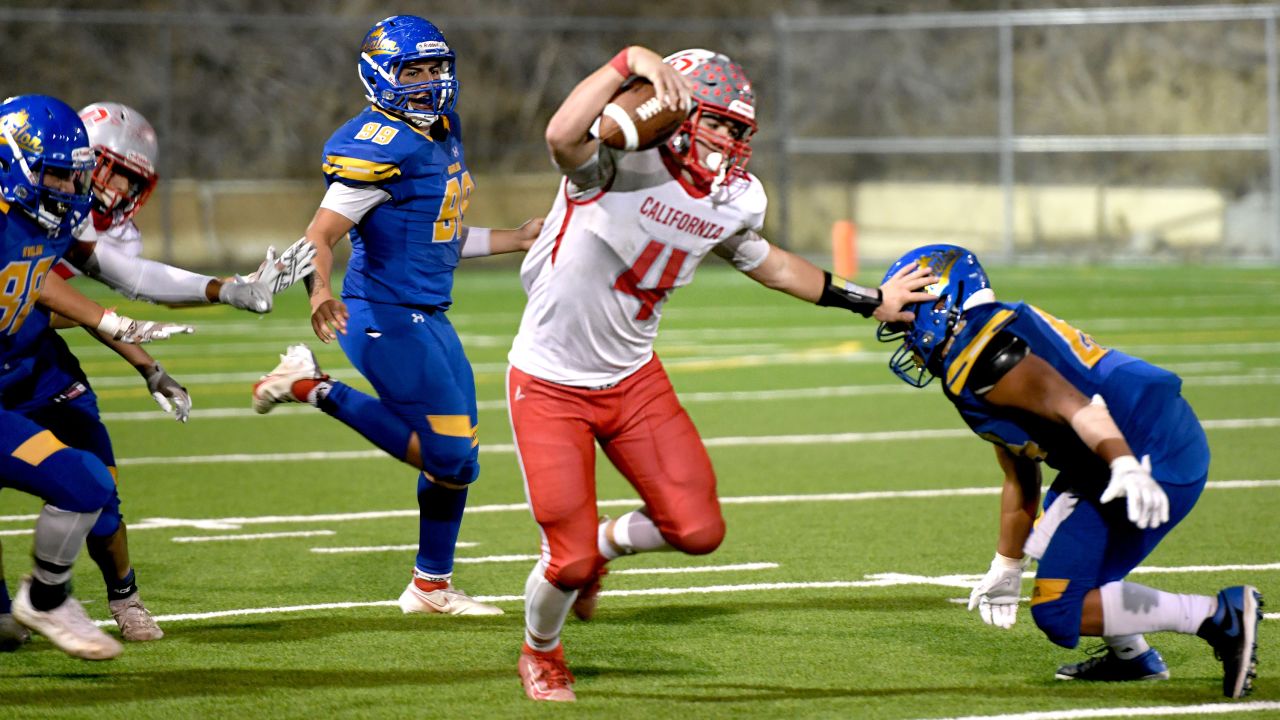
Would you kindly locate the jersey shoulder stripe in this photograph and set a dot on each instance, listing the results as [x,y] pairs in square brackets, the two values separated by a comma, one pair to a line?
[370,148]
[958,369]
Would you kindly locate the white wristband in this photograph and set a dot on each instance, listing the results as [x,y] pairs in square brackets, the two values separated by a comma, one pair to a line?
[111,323]
[476,242]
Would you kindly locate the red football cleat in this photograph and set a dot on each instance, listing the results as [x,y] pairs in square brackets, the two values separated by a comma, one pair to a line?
[545,675]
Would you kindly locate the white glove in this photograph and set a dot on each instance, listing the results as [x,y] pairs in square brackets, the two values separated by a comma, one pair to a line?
[246,295]
[136,332]
[292,265]
[169,395]
[1147,504]
[996,596]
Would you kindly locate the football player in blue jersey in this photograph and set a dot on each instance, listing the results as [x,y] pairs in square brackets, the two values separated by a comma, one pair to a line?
[45,165]
[106,248]
[398,185]
[1114,427]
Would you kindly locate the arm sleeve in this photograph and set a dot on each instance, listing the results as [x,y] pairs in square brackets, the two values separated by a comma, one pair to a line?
[592,176]
[745,250]
[475,242]
[353,203]
[136,277]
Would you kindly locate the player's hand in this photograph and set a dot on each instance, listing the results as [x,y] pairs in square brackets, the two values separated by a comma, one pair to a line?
[169,395]
[904,289]
[136,332]
[1148,506]
[277,273]
[245,294]
[528,232]
[328,319]
[996,596]
[668,83]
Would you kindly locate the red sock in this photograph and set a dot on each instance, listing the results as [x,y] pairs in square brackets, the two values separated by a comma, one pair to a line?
[428,585]
[302,389]
[557,654]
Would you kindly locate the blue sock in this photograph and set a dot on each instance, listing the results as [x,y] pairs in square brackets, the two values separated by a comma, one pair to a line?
[439,520]
[5,607]
[369,417]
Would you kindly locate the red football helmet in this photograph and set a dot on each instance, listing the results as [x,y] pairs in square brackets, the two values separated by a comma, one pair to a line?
[720,89]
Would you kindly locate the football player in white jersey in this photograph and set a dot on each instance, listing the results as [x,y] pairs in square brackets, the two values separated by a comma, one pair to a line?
[625,230]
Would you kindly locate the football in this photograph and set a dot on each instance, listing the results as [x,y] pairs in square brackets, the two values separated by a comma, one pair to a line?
[635,119]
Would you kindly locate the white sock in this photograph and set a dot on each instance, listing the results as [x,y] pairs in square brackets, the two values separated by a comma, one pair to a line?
[1129,608]
[545,608]
[1127,647]
[632,532]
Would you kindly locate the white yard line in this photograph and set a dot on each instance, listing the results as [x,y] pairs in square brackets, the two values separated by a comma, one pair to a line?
[695,569]
[253,536]
[730,441]
[235,523]
[1219,708]
[379,548]
[871,581]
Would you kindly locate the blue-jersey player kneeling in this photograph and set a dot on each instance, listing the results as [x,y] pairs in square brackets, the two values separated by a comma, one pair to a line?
[1042,391]
[398,185]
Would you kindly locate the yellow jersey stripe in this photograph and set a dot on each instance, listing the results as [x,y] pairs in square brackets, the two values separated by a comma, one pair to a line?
[357,169]
[37,448]
[452,425]
[1048,590]
[959,370]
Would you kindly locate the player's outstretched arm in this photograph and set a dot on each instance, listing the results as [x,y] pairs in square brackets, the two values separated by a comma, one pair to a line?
[170,395]
[568,133]
[328,314]
[136,277]
[483,242]
[789,273]
[58,295]
[996,596]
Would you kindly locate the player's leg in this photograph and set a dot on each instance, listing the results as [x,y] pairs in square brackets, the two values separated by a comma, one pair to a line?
[12,633]
[75,485]
[555,448]
[655,445]
[76,422]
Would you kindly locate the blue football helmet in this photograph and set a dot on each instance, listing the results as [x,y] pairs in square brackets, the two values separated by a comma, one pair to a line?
[45,163]
[960,277]
[387,48]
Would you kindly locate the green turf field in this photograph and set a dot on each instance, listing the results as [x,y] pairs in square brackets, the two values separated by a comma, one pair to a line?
[824,601]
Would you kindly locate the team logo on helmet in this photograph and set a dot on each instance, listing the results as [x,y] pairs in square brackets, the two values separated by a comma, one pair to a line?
[379,44]
[19,126]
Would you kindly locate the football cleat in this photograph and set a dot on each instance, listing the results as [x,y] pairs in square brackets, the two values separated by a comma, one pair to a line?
[584,606]
[66,626]
[545,676]
[135,621]
[12,634]
[1107,666]
[444,601]
[1232,631]
[293,380]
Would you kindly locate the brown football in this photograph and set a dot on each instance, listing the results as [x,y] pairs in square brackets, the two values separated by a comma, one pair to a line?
[635,119]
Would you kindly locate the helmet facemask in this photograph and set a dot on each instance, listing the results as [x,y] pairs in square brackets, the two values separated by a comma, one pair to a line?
[916,360]
[721,159]
[113,204]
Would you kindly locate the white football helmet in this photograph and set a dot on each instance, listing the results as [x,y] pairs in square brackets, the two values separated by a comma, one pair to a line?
[127,154]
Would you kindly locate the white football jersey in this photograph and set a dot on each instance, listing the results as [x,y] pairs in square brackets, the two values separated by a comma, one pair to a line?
[623,234]
[125,237]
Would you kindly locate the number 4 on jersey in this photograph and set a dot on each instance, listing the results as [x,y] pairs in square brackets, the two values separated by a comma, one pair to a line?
[628,283]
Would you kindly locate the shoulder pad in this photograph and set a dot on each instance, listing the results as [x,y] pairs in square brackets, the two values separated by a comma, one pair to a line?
[1000,356]
[368,149]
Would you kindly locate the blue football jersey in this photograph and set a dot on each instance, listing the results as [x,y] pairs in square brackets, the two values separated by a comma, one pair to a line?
[25,259]
[1137,393]
[404,251]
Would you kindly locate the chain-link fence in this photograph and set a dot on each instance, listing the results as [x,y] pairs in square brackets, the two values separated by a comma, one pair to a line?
[1094,133]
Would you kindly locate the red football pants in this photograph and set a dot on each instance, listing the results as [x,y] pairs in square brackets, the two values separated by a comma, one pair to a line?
[647,436]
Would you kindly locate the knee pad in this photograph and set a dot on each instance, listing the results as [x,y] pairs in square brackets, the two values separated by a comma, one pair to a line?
[81,483]
[110,519]
[448,457]
[1057,611]
[575,574]
[701,540]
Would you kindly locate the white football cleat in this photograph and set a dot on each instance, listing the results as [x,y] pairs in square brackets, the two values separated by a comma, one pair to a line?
[135,621]
[445,601]
[298,363]
[66,626]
